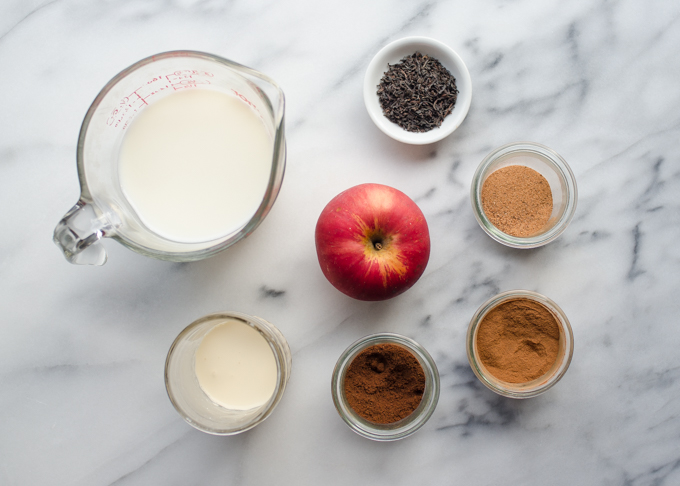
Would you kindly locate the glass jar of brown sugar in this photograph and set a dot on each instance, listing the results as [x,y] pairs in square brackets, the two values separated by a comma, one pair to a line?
[519,343]
[523,195]
[398,420]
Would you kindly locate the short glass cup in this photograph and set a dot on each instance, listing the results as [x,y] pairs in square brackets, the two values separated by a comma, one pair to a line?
[550,165]
[188,397]
[540,384]
[404,427]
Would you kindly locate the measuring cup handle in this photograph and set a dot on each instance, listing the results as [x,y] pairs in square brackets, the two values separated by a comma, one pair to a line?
[79,232]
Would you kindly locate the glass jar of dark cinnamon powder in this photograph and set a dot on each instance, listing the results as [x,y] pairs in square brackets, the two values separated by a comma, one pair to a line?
[519,343]
[523,195]
[385,386]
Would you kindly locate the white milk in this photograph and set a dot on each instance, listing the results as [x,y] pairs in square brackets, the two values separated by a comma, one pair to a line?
[235,366]
[195,165]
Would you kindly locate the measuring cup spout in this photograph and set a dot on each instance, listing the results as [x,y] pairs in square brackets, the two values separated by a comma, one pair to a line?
[79,232]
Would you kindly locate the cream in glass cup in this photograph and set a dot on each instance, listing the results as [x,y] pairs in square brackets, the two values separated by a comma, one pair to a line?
[207,409]
[542,383]
[548,164]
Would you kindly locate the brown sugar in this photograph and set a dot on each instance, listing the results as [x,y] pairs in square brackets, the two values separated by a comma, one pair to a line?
[517,200]
[518,341]
[384,383]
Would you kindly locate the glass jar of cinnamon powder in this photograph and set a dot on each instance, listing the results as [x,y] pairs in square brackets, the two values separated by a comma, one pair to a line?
[402,360]
[523,195]
[519,343]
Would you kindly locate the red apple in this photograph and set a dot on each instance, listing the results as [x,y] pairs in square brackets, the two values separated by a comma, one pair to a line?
[372,242]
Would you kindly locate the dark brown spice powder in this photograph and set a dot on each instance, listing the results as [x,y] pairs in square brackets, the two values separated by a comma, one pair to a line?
[384,383]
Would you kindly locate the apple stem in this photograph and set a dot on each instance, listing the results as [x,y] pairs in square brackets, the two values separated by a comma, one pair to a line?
[377,245]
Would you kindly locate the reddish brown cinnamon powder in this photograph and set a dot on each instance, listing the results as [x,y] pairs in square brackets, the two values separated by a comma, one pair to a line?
[518,341]
[517,200]
[384,383]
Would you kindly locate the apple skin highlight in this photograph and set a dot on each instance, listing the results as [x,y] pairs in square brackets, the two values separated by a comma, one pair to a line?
[373,242]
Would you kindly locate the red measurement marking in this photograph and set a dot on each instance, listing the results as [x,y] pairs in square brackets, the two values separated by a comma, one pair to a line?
[139,96]
[246,100]
[243,98]
[129,105]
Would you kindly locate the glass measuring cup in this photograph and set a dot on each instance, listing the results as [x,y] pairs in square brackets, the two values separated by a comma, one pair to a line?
[103,211]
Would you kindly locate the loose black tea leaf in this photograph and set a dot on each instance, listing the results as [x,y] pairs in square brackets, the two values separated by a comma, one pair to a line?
[417,93]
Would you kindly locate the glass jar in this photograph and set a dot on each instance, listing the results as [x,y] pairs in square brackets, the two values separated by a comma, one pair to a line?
[191,401]
[540,384]
[404,427]
[550,165]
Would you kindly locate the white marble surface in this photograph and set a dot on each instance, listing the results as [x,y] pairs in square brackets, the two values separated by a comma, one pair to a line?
[82,349]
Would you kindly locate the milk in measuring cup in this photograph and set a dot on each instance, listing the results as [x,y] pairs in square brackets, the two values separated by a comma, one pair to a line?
[195,165]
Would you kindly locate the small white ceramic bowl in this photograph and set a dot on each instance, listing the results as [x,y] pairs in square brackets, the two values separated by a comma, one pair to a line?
[393,53]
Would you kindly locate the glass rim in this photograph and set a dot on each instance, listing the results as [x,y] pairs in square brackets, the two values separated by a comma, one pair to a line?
[281,355]
[404,427]
[562,169]
[539,385]
[278,156]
